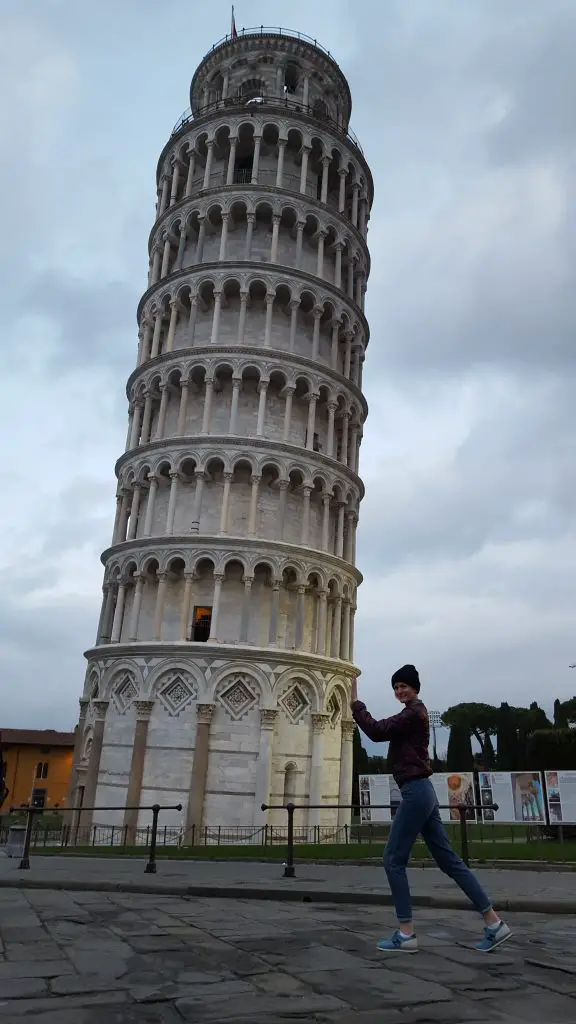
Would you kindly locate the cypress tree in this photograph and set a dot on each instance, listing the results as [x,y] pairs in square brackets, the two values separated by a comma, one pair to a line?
[507,740]
[459,757]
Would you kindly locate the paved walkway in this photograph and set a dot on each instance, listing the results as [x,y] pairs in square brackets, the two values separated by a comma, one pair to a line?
[535,891]
[115,958]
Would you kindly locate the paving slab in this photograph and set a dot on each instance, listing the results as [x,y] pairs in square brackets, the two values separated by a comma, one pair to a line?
[212,960]
[537,890]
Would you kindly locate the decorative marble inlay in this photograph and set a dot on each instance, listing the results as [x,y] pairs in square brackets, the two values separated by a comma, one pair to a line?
[177,690]
[334,710]
[124,693]
[238,698]
[295,703]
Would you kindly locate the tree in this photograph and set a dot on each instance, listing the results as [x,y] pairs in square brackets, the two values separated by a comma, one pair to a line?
[507,739]
[459,757]
[377,765]
[479,720]
[552,749]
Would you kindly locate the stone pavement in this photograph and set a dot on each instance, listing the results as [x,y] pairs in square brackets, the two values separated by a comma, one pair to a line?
[116,958]
[545,891]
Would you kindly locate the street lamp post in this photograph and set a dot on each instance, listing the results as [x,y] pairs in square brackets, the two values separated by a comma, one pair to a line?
[435,719]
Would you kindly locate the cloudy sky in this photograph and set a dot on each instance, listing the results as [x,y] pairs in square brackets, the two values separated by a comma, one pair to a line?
[466,114]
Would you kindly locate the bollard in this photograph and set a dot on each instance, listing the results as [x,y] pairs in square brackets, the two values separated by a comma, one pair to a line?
[24,864]
[150,868]
[289,870]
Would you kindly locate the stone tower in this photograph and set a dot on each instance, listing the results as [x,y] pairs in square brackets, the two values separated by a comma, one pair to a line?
[221,672]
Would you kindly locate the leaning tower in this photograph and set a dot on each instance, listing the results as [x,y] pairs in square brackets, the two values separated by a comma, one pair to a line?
[220,676]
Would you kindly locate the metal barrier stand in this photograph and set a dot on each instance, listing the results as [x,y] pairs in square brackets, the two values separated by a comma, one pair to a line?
[150,868]
[289,868]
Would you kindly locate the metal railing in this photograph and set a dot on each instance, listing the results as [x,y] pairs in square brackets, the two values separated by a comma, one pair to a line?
[155,809]
[289,868]
[269,30]
[282,102]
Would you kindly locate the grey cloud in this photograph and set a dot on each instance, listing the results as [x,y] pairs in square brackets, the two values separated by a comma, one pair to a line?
[94,323]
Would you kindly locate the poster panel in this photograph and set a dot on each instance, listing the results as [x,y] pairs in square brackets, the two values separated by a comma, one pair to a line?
[374,790]
[519,795]
[455,788]
[561,796]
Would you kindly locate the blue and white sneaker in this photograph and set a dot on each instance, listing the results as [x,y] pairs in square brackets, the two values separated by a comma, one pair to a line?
[494,936]
[398,944]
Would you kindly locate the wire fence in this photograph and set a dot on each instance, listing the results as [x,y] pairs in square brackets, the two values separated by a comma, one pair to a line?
[485,842]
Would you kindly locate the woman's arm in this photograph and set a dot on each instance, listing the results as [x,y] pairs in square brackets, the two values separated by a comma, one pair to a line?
[383,729]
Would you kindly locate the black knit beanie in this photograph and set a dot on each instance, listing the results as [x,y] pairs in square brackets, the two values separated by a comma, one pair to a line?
[407,674]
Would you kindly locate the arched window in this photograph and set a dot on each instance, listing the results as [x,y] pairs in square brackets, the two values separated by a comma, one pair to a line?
[291,77]
[289,784]
[252,89]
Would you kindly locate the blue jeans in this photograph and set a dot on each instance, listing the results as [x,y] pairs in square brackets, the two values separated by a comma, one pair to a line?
[418,814]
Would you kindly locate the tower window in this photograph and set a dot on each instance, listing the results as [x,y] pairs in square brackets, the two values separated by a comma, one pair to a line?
[201,622]
[291,79]
[243,169]
[253,89]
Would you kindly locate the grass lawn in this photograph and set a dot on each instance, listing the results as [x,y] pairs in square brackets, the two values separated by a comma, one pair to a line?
[548,851]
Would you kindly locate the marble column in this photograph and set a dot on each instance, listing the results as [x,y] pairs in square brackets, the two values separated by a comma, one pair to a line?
[288,392]
[225,504]
[134,795]
[262,391]
[336,627]
[91,781]
[236,385]
[345,786]
[183,409]
[197,507]
[218,581]
[208,165]
[319,723]
[174,478]
[78,747]
[189,578]
[299,630]
[149,518]
[136,606]
[195,809]
[118,614]
[252,515]
[256,160]
[322,611]
[264,764]
[159,610]
[246,604]
[274,613]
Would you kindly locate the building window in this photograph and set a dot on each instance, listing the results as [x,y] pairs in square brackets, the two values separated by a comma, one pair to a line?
[39,798]
[42,770]
[201,622]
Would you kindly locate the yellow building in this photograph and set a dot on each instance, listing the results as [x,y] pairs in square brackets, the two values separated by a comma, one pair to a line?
[37,767]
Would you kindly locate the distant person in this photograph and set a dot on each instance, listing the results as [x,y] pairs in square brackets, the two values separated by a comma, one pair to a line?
[418,814]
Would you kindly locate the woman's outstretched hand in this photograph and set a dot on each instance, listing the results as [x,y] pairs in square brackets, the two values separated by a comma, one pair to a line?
[354,695]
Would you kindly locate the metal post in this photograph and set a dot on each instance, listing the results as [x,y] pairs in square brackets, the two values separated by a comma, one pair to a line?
[150,868]
[464,835]
[24,864]
[289,871]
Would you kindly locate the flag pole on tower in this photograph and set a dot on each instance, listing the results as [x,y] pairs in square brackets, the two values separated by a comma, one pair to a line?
[233,31]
